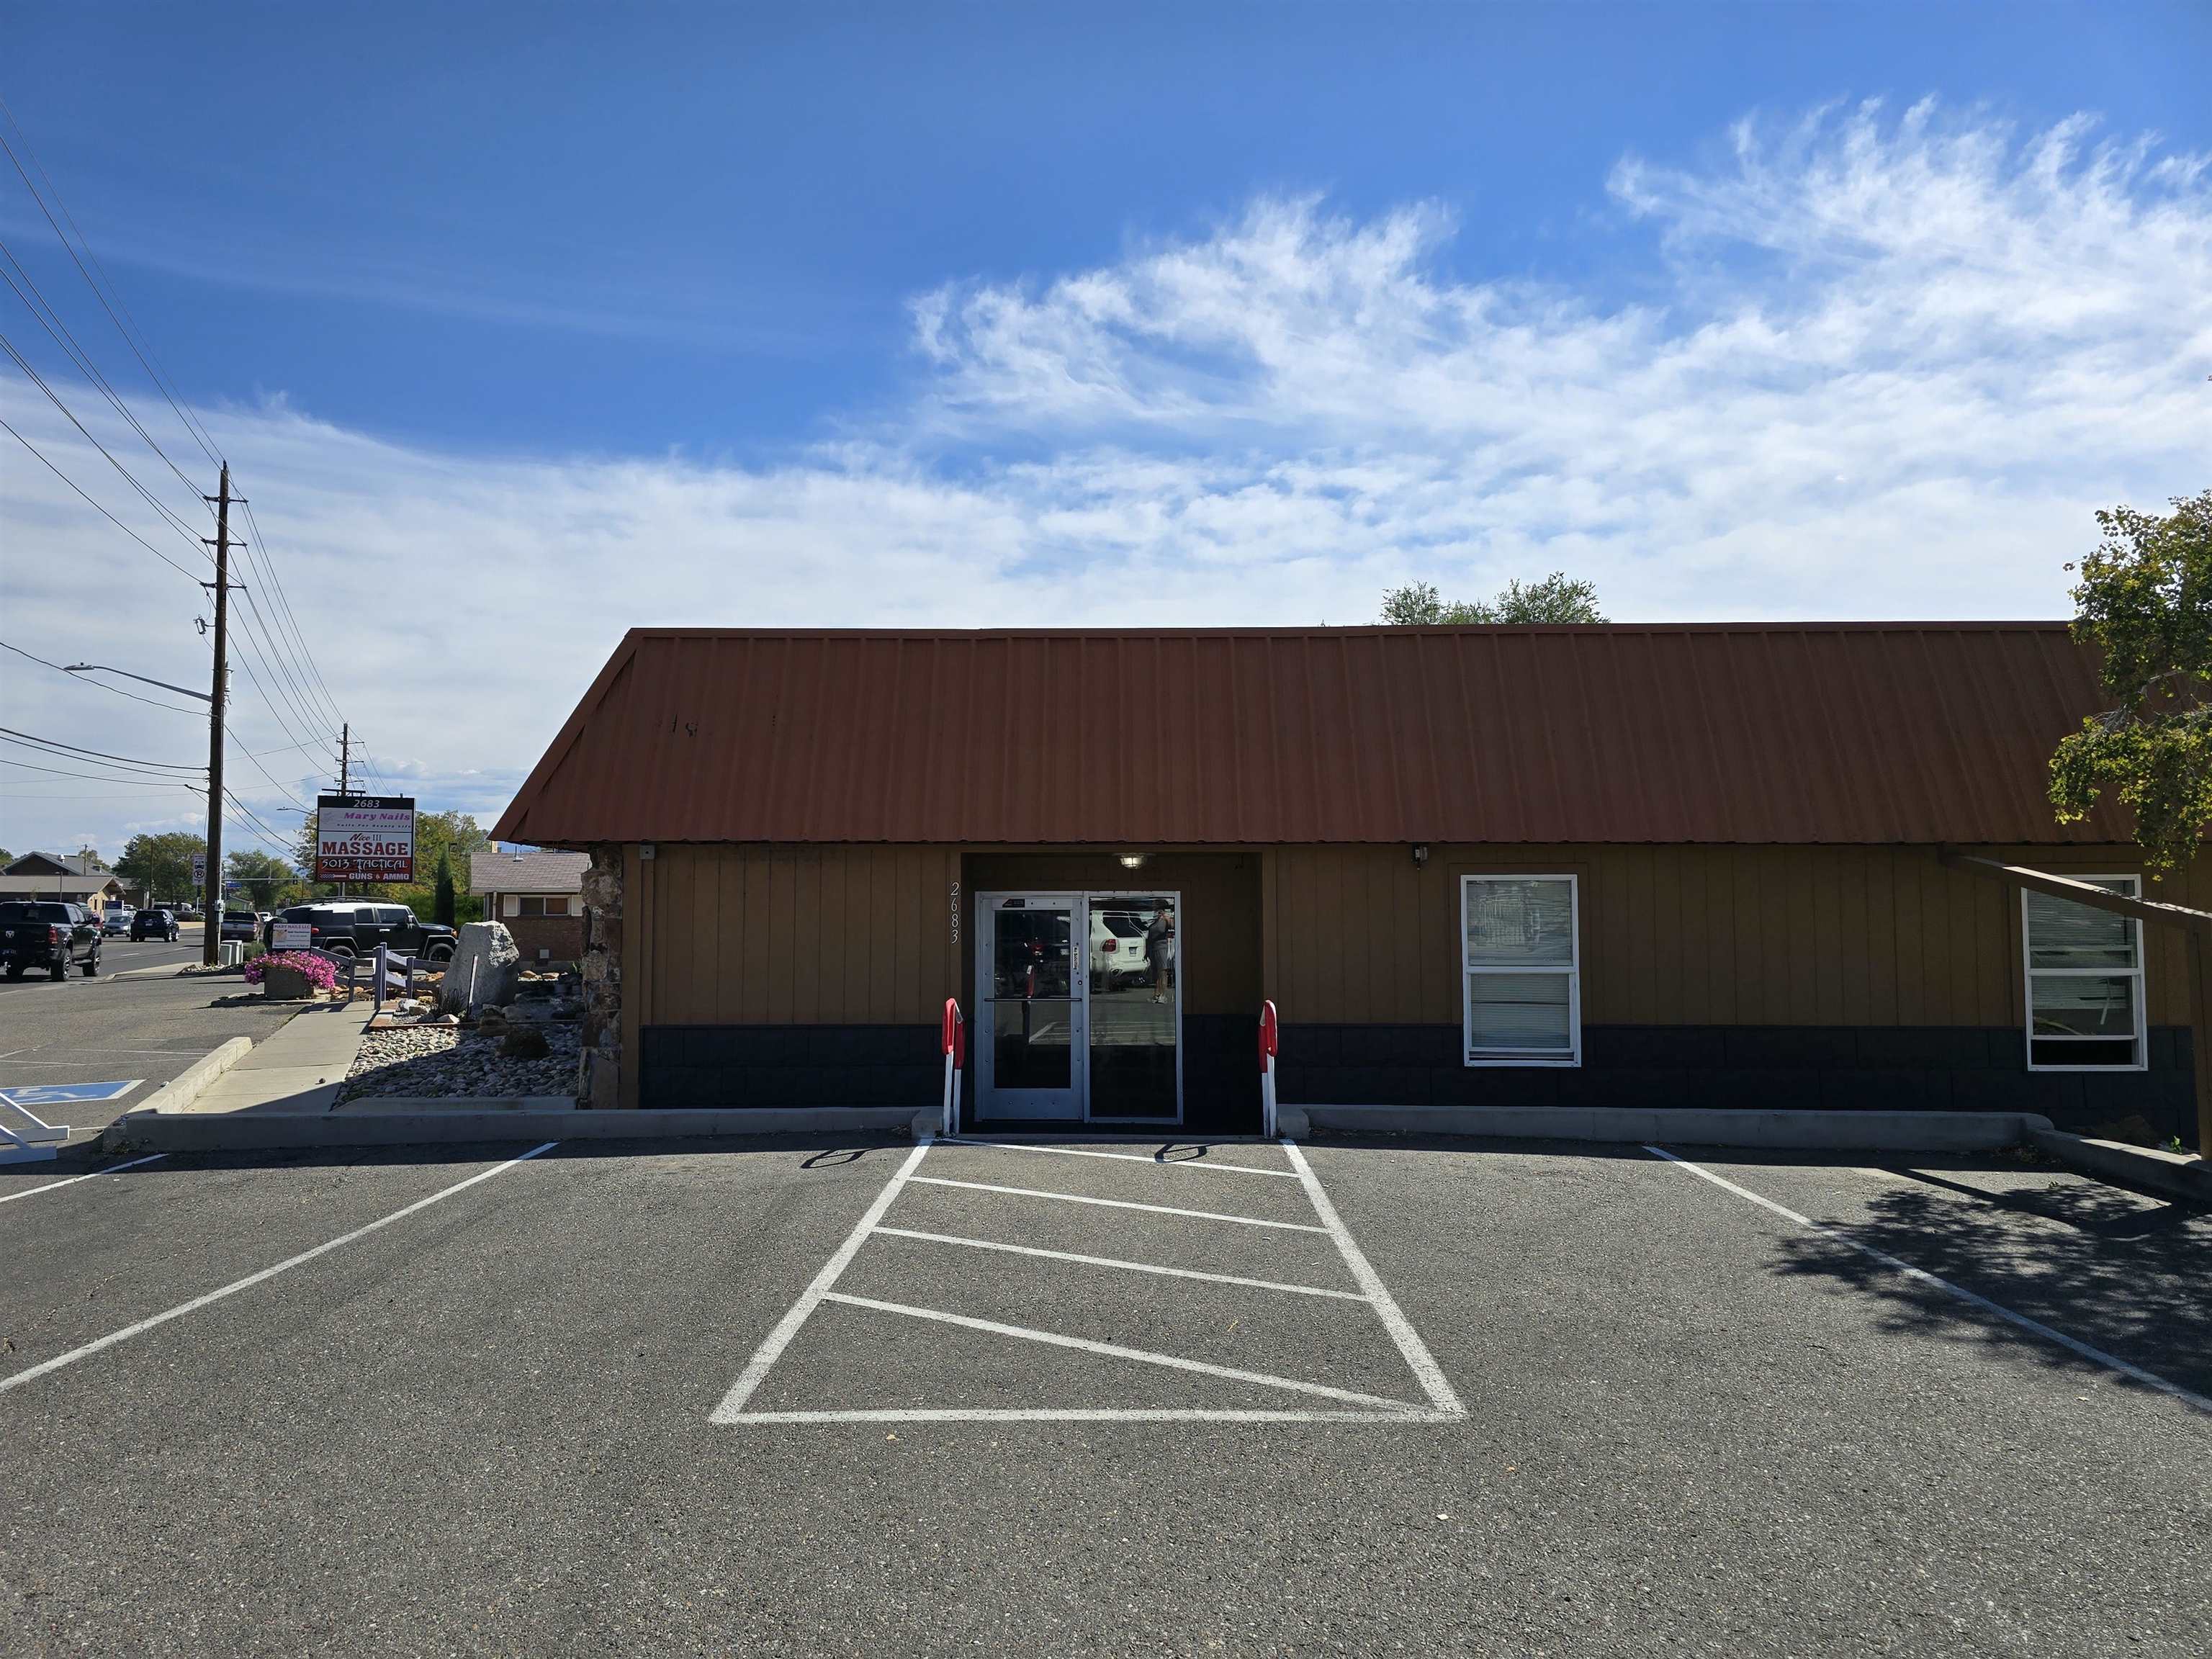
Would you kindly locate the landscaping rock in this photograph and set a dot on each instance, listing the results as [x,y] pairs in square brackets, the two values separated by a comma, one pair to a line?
[524,1043]
[484,970]
[432,1060]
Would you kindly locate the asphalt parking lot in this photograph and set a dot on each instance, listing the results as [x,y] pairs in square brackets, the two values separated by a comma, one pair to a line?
[136,1023]
[876,1398]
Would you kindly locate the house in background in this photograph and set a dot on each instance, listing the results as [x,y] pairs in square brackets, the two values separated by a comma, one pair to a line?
[539,895]
[79,878]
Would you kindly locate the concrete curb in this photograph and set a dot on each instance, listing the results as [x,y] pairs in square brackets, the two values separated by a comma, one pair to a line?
[1790,1131]
[178,1094]
[258,1132]
[2142,1168]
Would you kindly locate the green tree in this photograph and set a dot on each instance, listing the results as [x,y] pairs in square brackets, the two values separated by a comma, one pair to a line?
[2144,602]
[161,865]
[264,881]
[1557,599]
[442,899]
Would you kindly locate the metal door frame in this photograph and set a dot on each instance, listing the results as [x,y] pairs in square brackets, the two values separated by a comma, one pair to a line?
[1174,896]
[983,1045]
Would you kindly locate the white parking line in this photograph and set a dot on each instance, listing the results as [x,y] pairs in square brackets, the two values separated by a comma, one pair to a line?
[1112,1261]
[112,1169]
[1115,1350]
[1154,1160]
[248,1283]
[2035,1327]
[1116,1204]
[1431,1374]
[757,1368]
[1442,1405]
[1095,1414]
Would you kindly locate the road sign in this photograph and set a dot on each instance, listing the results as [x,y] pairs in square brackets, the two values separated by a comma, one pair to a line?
[66,1094]
[199,872]
[364,838]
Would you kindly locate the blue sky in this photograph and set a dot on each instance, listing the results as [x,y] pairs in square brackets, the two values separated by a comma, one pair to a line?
[523,325]
[627,229]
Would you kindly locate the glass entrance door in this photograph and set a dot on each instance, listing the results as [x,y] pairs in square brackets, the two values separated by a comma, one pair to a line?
[1029,961]
[1079,1007]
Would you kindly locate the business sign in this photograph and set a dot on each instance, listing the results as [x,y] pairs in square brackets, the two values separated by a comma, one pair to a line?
[292,935]
[365,838]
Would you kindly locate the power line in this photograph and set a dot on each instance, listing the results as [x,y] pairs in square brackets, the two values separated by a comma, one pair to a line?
[131,335]
[51,319]
[95,754]
[129,477]
[139,780]
[284,601]
[264,770]
[97,507]
[267,834]
[151,703]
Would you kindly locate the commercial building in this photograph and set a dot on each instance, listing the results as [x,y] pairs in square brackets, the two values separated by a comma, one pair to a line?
[1734,866]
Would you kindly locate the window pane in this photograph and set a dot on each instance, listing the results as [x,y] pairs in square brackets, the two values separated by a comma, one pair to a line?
[1518,1011]
[1512,921]
[2097,1005]
[2064,934]
[2120,1052]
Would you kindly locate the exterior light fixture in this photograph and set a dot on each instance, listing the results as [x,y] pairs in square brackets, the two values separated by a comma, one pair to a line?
[1133,860]
[1420,855]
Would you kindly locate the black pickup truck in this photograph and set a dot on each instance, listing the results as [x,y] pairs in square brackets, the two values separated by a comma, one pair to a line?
[357,926]
[49,934]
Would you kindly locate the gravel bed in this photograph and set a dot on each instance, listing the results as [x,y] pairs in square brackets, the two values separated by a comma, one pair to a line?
[430,1060]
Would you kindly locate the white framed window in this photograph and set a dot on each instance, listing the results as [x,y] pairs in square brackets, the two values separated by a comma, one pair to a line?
[2084,982]
[1521,963]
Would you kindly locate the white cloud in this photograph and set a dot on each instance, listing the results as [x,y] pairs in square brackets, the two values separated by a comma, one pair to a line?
[1886,367]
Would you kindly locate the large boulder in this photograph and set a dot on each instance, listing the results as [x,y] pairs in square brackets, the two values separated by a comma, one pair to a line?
[484,970]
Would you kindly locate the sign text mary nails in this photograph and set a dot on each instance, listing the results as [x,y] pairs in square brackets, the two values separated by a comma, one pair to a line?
[365,838]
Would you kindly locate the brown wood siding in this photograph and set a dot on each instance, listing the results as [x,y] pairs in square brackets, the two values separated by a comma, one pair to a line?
[1694,935]
[744,935]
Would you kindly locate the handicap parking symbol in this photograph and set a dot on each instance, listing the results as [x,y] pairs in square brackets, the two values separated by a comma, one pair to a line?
[66,1094]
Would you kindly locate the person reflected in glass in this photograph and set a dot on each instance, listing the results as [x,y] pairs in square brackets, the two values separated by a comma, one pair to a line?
[1159,947]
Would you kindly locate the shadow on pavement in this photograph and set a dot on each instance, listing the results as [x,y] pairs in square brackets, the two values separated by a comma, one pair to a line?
[2110,1268]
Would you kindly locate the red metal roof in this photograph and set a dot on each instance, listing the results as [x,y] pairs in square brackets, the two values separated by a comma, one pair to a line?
[1837,732]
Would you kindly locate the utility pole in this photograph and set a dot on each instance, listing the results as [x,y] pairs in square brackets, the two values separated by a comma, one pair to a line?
[345,775]
[212,929]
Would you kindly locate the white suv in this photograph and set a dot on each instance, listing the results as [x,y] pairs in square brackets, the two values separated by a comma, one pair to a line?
[1117,947]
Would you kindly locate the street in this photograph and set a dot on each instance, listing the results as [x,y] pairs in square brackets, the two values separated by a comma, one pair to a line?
[136,1020]
[871,1397]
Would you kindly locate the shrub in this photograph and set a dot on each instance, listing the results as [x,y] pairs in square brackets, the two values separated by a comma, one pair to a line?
[321,972]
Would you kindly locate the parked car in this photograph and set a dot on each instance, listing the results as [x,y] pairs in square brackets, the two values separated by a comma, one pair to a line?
[115,922]
[355,927]
[1117,948]
[191,913]
[154,924]
[49,934]
[240,925]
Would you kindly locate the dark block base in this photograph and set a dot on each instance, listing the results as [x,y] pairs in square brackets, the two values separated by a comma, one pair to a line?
[1838,1068]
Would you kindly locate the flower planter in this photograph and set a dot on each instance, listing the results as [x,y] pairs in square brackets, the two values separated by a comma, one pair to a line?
[282,984]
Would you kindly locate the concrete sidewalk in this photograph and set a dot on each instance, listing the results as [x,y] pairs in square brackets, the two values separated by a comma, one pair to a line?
[297,1069]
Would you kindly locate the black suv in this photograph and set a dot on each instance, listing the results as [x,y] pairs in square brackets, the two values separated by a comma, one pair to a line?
[356,926]
[154,924]
[50,934]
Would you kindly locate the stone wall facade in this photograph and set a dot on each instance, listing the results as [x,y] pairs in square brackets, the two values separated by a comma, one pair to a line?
[599,1078]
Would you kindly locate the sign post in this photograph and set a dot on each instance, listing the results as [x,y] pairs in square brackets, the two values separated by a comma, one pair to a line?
[365,838]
